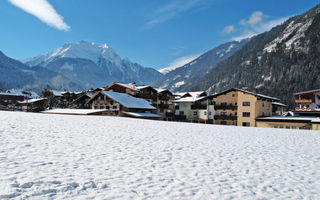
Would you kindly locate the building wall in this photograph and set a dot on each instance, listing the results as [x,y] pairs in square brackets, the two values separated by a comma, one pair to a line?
[286,125]
[244,97]
[316,127]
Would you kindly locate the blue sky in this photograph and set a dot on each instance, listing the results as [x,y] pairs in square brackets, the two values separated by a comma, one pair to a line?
[153,33]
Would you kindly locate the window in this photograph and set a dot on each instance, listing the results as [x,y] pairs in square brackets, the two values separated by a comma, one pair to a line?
[111,102]
[205,113]
[262,104]
[234,123]
[181,113]
[236,103]
[223,123]
[176,107]
[275,126]
[287,127]
[114,107]
[101,107]
[262,113]
[224,103]
[246,114]
[235,113]
[195,113]
[246,103]
[223,113]
[245,123]
[95,107]
[210,113]
[107,107]
[233,95]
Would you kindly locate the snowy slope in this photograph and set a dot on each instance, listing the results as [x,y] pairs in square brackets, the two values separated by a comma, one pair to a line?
[185,77]
[79,157]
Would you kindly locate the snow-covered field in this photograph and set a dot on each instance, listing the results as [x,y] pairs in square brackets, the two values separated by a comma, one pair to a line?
[46,156]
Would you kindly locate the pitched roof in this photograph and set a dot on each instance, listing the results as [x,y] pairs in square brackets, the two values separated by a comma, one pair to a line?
[129,86]
[307,92]
[32,100]
[248,92]
[129,101]
[188,99]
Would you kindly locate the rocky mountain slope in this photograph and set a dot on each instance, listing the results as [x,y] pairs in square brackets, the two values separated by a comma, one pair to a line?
[185,77]
[92,65]
[279,62]
[14,74]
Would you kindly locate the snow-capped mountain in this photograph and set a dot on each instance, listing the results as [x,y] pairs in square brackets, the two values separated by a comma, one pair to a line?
[93,65]
[185,77]
[279,62]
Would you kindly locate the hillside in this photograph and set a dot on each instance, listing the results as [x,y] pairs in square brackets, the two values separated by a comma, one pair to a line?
[14,74]
[185,77]
[279,62]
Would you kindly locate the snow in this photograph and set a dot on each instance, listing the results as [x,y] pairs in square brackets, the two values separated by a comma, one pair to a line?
[68,111]
[142,114]
[32,100]
[300,118]
[97,157]
[178,84]
[188,99]
[129,101]
[297,28]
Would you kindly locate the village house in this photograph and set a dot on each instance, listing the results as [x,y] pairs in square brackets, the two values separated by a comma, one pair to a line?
[306,114]
[195,107]
[164,105]
[82,102]
[308,103]
[160,99]
[295,122]
[121,104]
[240,107]
[63,99]
[34,105]
[10,100]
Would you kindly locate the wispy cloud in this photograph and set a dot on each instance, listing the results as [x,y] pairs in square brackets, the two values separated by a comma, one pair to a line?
[43,10]
[182,61]
[256,23]
[172,9]
[229,29]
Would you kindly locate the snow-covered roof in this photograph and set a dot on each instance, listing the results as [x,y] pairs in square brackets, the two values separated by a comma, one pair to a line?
[279,104]
[57,93]
[130,86]
[197,94]
[188,99]
[284,118]
[32,100]
[20,92]
[129,101]
[142,115]
[11,94]
[74,111]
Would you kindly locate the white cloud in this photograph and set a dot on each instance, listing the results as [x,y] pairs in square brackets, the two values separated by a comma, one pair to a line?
[179,63]
[228,29]
[43,10]
[257,23]
[172,9]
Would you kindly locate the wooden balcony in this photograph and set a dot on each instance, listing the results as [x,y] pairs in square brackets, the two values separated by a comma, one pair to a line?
[225,107]
[304,101]
[198,107]
[225,117]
